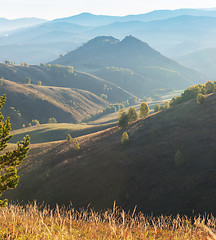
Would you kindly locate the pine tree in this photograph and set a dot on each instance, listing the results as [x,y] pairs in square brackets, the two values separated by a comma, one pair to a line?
[11,159]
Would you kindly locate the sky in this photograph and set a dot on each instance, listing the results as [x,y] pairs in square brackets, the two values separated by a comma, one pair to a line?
[51,9]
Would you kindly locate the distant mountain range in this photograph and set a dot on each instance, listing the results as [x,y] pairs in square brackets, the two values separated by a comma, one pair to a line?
[172,32]
[9,25]
[203,61]
[130,63]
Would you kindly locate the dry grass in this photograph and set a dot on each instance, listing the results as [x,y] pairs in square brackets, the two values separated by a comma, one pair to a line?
[34,222]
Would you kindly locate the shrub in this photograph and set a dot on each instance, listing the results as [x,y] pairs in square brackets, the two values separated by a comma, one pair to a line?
[200,98]
[124,138]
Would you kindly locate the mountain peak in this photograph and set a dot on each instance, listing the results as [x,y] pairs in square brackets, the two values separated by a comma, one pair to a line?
[102,40]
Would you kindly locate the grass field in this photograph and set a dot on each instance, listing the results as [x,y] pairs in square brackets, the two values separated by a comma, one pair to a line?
[35,222]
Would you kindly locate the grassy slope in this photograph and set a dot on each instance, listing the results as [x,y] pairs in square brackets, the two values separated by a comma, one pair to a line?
[56,132]
[142,173]
[42,102]
[63,77]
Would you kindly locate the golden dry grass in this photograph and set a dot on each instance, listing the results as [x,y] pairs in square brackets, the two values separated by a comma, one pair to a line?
[34,222]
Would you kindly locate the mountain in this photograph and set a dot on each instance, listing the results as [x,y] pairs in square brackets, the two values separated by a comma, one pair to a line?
[145,172]
[149,69]
[88,19]
[61,76]
[9,25]
[28,102]
[171,33]
[203,61]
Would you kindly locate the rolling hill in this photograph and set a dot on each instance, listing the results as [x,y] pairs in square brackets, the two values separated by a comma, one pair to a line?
[109,57]
[61,76]
[145,172]
[28,102]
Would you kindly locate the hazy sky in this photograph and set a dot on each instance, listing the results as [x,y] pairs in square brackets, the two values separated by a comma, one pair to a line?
[51,9]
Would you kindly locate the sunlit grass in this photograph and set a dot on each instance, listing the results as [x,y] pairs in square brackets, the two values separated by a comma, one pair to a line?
[34,222]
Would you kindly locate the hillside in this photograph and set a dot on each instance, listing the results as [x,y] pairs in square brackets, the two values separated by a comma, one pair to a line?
[202,61]
[155,70]
[27,102]
[142,173]
[60,76]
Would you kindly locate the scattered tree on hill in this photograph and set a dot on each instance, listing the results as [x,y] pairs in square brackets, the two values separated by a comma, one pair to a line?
[7,62]
[52,120]
[179,159]
[124,138]
[132,115]
[123,119]
[10,159]
[157,108]
[76,144]
[27,80]
[35,122]
[39,83]
[209,87]
[144,110]
[200,98]
[68,138]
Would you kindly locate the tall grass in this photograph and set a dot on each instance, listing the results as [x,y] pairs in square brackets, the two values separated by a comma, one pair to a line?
[35,222]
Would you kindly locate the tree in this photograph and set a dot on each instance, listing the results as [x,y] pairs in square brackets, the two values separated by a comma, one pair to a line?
[76,144]
[122,119]
[124,138]
[35,122]
[157,108]
[68,138]
[200,98]
[27,80]
[179,159]
[132,115]
[144,110]
[11,159]
[52,120]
